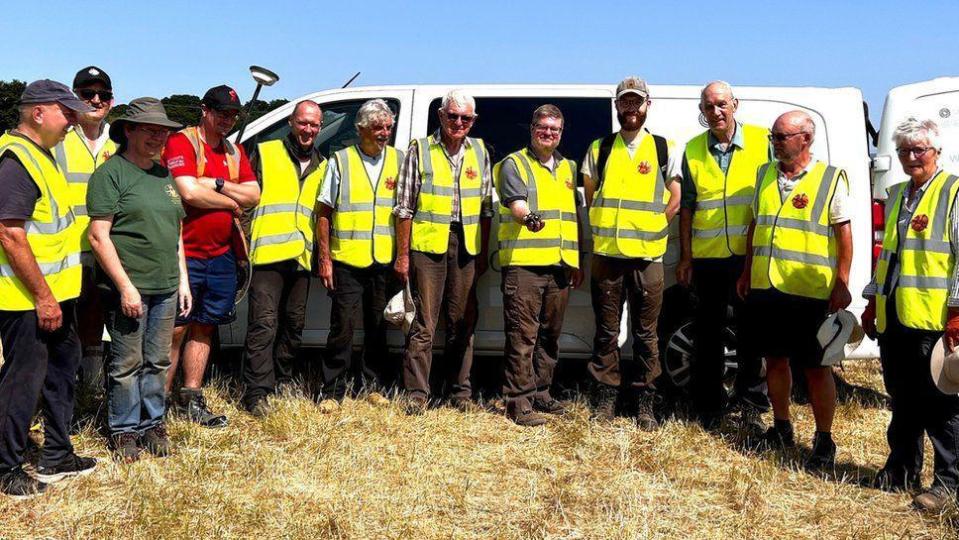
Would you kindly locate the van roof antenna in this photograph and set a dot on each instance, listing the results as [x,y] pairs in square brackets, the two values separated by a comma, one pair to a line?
[353,78]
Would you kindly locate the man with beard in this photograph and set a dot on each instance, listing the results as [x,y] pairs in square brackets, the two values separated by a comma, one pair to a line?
[355,231]
[631,189]
[216,183]
[281,246]
[85,148]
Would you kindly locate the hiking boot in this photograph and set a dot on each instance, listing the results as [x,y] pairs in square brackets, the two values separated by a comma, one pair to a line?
[934,500]
[126,446]
[527,418]
[823,452]
[73,465]
[779,436]
[156,441]
[644,415]
[192,404]
[259,407]
[886,480]
[19,485]
[603,398]
[548,405]
[288,389]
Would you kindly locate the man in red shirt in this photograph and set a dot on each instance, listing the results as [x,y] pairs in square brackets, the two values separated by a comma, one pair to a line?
[216,183]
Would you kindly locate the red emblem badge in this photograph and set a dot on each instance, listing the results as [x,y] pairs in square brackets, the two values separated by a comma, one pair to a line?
[470,173]
[106,155]
[920,222]
[390,183]
[800,201]
[643,168]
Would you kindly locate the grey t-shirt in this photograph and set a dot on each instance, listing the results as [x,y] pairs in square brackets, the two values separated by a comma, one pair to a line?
[20,192]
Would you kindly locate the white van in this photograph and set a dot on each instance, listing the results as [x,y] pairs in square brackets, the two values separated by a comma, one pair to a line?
[504,112]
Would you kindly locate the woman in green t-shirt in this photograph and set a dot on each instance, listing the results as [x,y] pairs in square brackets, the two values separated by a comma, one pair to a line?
[135,232]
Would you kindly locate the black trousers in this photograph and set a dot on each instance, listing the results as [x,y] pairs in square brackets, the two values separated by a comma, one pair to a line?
[917,405]
[715,284]
[359,294]
[278,295]
[37,364]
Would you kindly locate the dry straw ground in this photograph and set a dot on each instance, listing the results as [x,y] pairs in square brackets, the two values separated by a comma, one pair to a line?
[368,471]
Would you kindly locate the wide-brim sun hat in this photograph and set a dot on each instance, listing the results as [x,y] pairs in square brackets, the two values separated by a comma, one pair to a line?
[145,110]
[944,368]
[839,335]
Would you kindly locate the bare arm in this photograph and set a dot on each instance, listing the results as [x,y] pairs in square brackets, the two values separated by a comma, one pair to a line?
[675,194]
[13,239]
[841,297]
[197,195]
[247,194]
[322,234]
[684,270]
[184,294]
[402,266]
[519,208]
[742,285]
[106,252]
[589,189]
[482,258]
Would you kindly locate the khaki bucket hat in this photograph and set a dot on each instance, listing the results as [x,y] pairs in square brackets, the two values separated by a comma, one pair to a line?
[145,110]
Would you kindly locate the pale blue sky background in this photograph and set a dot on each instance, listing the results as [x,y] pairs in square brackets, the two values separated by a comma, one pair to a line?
[185,47]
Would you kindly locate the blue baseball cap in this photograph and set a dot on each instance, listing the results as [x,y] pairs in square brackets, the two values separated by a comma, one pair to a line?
[47,91]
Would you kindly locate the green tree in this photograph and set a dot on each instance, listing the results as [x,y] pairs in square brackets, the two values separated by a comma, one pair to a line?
[9,97]
[183,108]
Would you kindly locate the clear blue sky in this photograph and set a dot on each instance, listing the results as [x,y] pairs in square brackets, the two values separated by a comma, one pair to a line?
[172,47]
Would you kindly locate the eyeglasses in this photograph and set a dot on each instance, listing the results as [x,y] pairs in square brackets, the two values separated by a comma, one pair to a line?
[453,117]
[631,103]
[227,114]
[154,131]
[547,129]
[88,94]
[917,151]
[782,137]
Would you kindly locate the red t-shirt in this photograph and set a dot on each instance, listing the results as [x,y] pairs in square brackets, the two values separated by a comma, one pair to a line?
[206,232]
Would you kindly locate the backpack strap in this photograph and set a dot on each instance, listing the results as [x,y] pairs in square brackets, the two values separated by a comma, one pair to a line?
[605,147]
[662,153]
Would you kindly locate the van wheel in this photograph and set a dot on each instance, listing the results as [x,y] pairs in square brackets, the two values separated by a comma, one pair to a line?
[679,355]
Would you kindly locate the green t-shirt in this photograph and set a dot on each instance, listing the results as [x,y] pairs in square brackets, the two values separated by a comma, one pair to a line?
[147,211]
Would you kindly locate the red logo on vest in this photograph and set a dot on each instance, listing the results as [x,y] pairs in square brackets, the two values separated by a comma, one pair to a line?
[106,155]
[801,201]
[644,168]
[390,183]
[569,184]
[470,173]
[920,222]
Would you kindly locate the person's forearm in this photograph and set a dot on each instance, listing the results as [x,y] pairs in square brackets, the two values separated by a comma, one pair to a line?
[323,232]
[198,196]
[843,251]
[749,246]
[519,209]
[589,188]
[246,194]
[685,234]
[403,228]
[13,239]
[181,259]
[108,258]
[672,207]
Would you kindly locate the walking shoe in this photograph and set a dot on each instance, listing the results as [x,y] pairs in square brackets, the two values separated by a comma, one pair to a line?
[156,441]
[527,418]
[823,452]
[19,485]
[779,436]
[126,446]
[73,465]
[549,405]
[192,404]
[887,480]
[603,398]
[934,500]
[644,415]
[259,407]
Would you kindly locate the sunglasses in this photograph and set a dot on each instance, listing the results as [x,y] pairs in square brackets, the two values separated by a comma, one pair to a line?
[782,137]
[88,94]
[466,118]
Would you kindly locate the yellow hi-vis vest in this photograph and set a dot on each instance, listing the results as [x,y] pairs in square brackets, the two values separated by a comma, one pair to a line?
[434,208]
[196,139]
[628,215]
[552,195]
[283,222]
[925,257]
[794,249]
[78,163]
[724,201]
[50,232]
[363,228]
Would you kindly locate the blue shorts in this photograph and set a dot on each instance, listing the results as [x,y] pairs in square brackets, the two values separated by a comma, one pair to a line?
[213,285]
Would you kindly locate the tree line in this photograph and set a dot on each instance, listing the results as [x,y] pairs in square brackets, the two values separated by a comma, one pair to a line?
[181,108]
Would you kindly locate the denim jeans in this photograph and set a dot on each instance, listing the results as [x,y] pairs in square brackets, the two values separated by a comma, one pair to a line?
[139,359]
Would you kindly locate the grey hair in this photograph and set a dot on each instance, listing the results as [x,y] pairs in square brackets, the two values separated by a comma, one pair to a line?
[913,130]
[458,97]
[374,109]
[723,85]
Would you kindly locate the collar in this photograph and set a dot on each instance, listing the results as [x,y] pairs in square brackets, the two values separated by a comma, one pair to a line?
[532,155]
[296,152]
[922,188]
[436,139]
[806,169]
[14,132]
[738,139]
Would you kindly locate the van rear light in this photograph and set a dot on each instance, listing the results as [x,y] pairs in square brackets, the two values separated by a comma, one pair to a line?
[878,229]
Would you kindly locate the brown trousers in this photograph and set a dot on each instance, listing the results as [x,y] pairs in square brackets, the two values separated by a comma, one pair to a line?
[640,284]
[534,304]
[442,282]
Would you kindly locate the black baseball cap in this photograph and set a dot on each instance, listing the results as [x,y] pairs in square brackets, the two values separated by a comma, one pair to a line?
[221,98]
[90,75]
[47,91]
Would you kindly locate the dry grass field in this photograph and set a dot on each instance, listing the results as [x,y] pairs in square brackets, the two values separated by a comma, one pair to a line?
[368,471]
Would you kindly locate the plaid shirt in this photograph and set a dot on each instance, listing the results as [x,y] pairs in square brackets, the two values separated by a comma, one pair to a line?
[409,183]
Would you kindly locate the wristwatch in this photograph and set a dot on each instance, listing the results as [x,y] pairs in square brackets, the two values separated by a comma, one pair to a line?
[219,185]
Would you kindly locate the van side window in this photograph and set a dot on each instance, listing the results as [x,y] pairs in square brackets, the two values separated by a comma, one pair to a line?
[503,123]
[338,130]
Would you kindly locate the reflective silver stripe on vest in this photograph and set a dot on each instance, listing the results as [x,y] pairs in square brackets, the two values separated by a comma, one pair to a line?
[426,180]
[274,239]
[77,177]
[532,195]
[611,232]
[54,207]
[432,218]
[719,203]
[936,242]
[385,201]
[920,244]
[355,207]
[275,208]
[383,230]
[790,255]
[58,225]
[352,235]
[885,255]
[480,156]
[793,223]
[823,196]
[46,269]
[720,231]
[80,210]
[469,220]
[923,282]
[539,243]
[630,205]
[60,153]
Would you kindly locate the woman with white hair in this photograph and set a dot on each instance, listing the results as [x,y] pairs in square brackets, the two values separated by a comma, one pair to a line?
[913,302]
